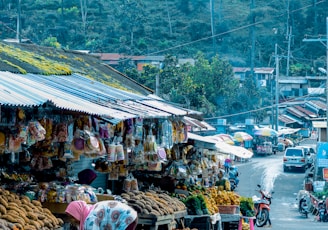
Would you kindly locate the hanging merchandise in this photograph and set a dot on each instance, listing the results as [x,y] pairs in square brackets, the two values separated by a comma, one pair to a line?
[166,134]
[161,154]
[37,132]
[138,129]
[181,132]
[130,183]
[154,166]
[2,142]
[14,144]
[150,148]
[61,132]
[103,166]
[92,146]
[129,141]
[119,151]
[114,173]
[103,130]
[77,147]
[138,156]
[102,148]
[111,152]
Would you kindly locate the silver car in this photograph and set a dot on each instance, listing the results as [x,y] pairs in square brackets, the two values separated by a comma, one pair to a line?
[295,157]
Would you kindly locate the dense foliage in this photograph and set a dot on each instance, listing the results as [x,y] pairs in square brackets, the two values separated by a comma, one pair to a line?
[178,27]
[217,34]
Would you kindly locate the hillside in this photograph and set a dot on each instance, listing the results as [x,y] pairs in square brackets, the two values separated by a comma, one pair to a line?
[178,27]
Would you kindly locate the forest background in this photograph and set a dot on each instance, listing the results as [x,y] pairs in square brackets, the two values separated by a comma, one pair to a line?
[218,34]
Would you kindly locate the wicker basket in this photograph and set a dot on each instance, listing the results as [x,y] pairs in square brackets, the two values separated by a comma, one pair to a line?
[227,209]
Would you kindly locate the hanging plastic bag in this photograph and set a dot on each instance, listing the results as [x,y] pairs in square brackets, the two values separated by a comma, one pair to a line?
[119,152]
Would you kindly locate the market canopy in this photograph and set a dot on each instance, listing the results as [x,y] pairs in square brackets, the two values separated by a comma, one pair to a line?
[242,136]
[238,151]
[266,132]
[226,138]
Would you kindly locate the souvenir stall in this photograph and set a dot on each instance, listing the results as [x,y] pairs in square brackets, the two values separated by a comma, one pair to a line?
[44,151]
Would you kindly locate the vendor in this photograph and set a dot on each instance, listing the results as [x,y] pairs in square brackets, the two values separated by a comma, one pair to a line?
[223,182]
[108,214]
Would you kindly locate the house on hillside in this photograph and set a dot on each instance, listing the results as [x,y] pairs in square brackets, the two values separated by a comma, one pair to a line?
[113,60]
[263,75]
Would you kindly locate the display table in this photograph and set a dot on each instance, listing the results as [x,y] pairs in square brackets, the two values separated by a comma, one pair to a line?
[230,219]
[205,222]
[154,221]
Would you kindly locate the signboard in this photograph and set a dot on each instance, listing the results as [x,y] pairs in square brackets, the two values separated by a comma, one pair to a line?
[325,173]
[322,155]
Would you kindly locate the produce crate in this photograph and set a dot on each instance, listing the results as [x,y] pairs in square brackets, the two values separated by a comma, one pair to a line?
[228,209]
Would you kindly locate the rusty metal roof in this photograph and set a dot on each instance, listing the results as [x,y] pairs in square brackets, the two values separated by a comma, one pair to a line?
[296,112]
[306,111]
[287,119]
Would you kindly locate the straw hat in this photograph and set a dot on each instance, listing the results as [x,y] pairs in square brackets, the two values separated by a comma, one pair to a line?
[92,142]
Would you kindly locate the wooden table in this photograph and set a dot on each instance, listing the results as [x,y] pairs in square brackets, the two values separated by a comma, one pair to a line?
[154,221]
[210,221]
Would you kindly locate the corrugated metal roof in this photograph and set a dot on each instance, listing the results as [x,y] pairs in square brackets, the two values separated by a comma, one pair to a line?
[320,104]
[165,107]
[18,90]
[306,111]
[296,112]
[78,93]
[286,119]
[197,124]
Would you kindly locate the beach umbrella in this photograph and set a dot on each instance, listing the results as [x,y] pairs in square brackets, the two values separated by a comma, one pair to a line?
[226,138]
[266,132]
[242,136]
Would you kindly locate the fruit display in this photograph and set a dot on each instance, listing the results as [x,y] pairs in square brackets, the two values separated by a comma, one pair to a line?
[224,197]
[153,203]
[19,212]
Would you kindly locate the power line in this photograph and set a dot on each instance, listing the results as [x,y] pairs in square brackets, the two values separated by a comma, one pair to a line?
[259,109]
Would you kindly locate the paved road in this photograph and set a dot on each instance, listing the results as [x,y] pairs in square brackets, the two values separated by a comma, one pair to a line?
[268,172]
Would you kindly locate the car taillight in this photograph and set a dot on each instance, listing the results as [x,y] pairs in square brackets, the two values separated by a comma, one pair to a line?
[285,158]
[302,160]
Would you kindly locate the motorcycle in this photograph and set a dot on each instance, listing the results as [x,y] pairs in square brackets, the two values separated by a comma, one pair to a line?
[322,211]
[233,177]
[303,207]
[262,207]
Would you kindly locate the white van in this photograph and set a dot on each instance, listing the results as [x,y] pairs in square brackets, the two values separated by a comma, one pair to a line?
[295,157]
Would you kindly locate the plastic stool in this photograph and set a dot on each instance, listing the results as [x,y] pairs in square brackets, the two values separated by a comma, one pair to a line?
[250,221]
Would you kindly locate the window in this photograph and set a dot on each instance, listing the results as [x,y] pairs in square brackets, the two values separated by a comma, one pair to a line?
[294,153]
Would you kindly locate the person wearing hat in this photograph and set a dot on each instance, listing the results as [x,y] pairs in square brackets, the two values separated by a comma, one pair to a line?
[108,214]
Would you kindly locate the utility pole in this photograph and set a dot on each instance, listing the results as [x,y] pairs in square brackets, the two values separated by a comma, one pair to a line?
[277,86]
[18,32]
[322,40]
[212,24]
[252,6]
[288,54]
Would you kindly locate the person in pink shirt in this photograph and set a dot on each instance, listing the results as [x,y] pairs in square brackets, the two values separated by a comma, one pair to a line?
[103,215]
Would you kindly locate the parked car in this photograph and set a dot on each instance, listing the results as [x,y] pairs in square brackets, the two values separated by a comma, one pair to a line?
[295,157]
[309,153]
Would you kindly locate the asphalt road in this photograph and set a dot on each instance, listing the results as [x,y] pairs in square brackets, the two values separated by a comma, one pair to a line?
[268,172]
